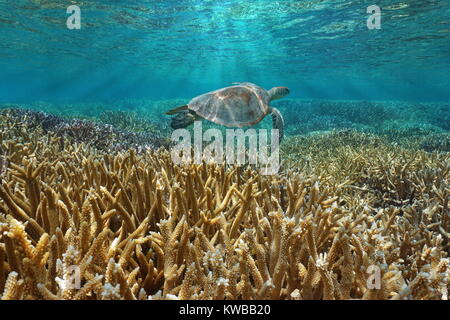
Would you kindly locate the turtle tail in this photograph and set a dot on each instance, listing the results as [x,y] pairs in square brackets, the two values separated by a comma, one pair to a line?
[183,119]
[278,122]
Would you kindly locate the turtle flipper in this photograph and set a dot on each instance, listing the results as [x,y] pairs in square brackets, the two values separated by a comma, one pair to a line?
[176,110]
[183,119]
[278,122]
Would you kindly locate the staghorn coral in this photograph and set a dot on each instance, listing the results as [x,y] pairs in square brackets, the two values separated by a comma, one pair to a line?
[436,142]
[394,119]
[86,131]
[126,120]
[98,135]
[128,114]
[135,226]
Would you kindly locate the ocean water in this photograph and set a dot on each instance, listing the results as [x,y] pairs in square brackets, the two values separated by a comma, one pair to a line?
[345,69]
[356,196]
[180,49]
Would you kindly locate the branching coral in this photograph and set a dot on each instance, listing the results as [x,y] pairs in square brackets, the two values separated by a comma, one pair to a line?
[126,120]
[78,223]
[98,135]
[401,122]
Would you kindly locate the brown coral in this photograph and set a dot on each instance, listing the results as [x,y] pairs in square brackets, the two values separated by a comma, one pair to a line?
[78,223]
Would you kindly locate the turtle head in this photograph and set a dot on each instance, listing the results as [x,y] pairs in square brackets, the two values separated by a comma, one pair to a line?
[278,93]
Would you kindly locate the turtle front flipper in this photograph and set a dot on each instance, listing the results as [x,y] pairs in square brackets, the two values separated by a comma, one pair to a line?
[278,122]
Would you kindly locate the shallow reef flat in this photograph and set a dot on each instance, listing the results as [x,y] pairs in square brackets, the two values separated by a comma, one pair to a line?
[351,215]
[394,119]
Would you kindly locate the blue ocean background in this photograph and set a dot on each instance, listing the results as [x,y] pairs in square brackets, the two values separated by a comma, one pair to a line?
[133,60]
[94,196]
[171,49]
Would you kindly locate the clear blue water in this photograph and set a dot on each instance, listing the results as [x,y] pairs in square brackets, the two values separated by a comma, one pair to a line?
[169,49]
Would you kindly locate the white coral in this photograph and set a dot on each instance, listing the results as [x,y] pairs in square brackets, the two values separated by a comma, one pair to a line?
[223,282]
[322,261]
[110,291]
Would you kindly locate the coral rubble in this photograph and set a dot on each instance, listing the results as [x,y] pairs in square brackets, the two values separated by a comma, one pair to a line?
[349,217]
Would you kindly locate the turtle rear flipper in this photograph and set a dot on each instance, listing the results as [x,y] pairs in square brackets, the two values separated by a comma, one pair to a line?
[183,119]
[278,122]
[176,110]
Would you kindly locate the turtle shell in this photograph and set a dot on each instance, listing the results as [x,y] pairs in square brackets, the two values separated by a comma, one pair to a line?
[237,106]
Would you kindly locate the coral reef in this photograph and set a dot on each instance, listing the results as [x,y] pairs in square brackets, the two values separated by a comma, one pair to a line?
[99,135]
[126,120]
[128,114]
[393,119]
[351,216]
[414,125]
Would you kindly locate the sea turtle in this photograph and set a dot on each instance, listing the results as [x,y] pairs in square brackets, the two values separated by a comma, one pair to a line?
[243,104]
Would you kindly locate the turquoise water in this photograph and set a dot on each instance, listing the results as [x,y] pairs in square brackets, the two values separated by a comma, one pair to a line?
[179,49]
